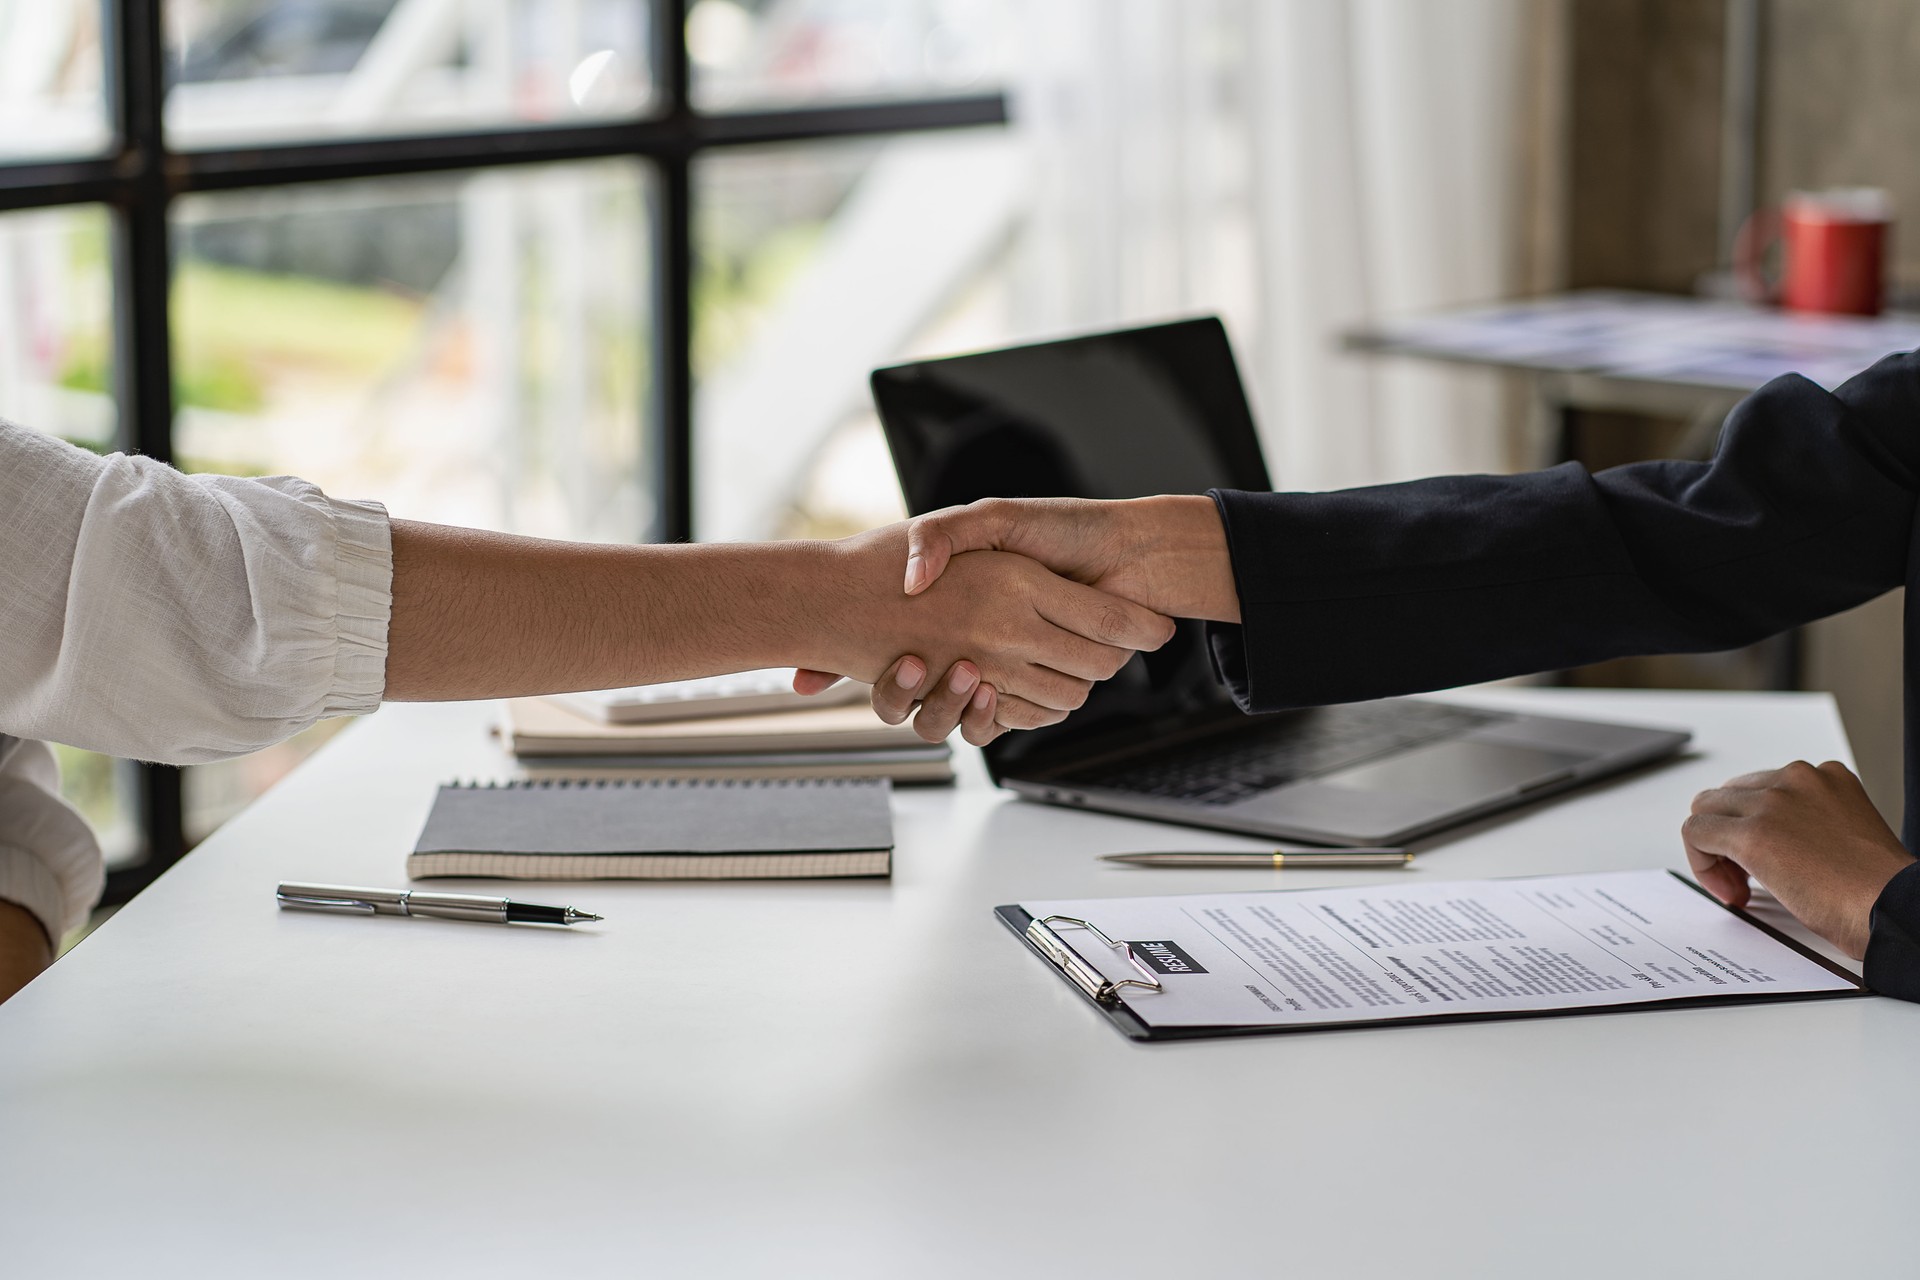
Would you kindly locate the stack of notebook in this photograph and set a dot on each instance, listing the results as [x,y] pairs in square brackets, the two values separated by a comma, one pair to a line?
[554,740]
[658,830]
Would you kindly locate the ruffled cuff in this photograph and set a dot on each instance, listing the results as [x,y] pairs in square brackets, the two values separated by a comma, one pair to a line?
[57,904]
[363,568]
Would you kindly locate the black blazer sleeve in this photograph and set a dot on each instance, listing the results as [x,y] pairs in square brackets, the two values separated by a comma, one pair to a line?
[1806,508]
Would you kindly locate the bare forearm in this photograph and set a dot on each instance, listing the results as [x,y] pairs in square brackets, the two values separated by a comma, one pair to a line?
[479,614]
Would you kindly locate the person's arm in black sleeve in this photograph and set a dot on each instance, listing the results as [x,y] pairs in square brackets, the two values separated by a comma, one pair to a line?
[1806,509]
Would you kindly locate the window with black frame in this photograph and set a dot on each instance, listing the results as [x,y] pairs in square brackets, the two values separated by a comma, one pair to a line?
[583,268]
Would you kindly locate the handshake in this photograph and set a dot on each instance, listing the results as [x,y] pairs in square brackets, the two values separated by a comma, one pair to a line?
[1012,608]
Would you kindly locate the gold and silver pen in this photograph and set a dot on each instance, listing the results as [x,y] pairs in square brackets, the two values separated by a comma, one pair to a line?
[348,901]
[1277,858]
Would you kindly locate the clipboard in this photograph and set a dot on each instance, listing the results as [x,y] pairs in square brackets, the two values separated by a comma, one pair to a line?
[1043,938]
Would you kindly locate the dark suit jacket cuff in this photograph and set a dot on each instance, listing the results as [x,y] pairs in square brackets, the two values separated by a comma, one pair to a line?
[1233,651]
[1893,945]
[1227,647]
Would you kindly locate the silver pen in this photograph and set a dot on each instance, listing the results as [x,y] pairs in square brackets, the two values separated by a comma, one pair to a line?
[1278,858]
[345,900]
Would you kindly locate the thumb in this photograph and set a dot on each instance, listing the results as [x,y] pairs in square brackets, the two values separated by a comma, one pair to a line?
[812,682]
[937,537]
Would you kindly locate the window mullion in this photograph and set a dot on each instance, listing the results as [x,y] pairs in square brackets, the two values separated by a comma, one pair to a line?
[142,349]
[672,264]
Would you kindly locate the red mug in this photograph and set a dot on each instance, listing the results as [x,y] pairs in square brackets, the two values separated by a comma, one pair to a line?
[1833,247]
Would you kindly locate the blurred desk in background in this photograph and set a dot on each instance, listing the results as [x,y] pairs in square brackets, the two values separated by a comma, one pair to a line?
[1689,358]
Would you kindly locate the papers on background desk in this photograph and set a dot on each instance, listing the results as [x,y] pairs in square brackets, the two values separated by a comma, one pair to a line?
[1410,950]
[1689,341]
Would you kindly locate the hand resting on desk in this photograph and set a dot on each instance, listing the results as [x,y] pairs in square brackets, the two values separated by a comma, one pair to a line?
[1810,835]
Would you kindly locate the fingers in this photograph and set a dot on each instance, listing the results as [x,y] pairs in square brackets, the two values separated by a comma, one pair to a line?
[1845,779]
[938,536]
[1729,801]
[1048,688]
[979,725]
[807,683]
[952,701]
[1709,839]
[1768,779]
[1072,654]
[958,698]
[1753,794]
[1716,832]
[1012,712]
[1734,829]
[1102,618]
[1795,775]
[947,701]
[898,688]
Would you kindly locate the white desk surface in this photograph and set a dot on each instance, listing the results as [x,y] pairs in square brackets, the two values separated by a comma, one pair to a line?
[876,1079]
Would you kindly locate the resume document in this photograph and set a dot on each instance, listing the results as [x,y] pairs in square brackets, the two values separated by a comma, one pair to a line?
[1412,950]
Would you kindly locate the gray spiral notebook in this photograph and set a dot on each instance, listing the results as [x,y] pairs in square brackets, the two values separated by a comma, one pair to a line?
[671,829]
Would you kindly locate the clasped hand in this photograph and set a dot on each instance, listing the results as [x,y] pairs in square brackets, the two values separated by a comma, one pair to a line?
[1018,646]
[1167,555]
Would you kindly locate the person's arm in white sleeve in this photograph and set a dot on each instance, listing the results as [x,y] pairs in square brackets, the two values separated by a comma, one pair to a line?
[181,618]
[184,619]
[163,617]
[188,618]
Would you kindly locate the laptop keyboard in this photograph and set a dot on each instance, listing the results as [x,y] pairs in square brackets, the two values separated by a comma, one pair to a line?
[1242,764]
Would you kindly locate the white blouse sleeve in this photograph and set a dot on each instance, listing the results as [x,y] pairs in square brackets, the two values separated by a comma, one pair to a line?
[165,617]
[181,618]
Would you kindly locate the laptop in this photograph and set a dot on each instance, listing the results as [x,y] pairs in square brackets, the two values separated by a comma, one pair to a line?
[1161,410]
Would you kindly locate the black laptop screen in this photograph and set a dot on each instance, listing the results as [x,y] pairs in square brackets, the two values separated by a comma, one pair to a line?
[1120,415]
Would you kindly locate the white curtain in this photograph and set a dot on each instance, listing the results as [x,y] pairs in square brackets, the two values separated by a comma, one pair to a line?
[1300,167]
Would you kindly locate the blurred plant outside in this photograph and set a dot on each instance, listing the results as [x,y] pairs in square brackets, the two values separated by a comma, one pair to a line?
[469,350]
[239,331]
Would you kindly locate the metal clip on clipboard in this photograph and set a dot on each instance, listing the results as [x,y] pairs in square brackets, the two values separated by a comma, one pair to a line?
[1084,975]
